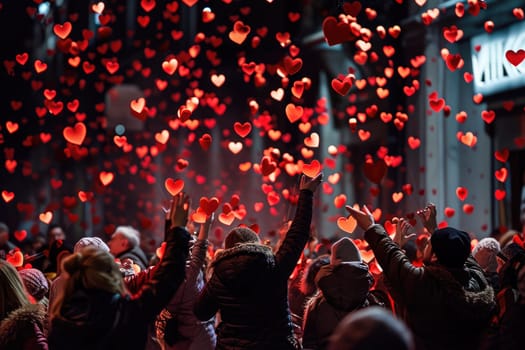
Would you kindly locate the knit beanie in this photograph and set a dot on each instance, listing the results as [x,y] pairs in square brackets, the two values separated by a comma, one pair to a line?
[485,253]
[91,242]
[451,246]
[240,235]
[35,282]
[344,250]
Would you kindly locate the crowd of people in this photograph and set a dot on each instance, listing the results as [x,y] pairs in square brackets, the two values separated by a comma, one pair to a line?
[411,290]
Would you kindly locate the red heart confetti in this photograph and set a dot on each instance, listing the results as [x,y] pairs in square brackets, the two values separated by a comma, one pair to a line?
[173,186]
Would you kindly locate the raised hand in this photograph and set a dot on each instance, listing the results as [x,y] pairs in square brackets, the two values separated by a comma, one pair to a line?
[310,184]
[363,217]
[404,231]
[428,217]
[204,229]
[178,213]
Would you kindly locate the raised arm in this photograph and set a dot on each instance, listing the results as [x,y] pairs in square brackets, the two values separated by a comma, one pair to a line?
[401,274]
[297,236]
[198,252]
[169,275]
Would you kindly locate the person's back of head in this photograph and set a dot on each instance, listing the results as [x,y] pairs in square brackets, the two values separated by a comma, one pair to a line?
[371,328]
[36,284]
[12,292]
[485,253]
[90,269]
[451,246]
[123,239]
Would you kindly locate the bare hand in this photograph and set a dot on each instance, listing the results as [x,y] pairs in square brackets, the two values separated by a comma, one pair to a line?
[404,231]
[310,184]
[205,227]
[428,217]
[180,207]
[363,217]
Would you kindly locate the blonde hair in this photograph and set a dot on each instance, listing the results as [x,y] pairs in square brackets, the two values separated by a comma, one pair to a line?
[89,268]
[12,292]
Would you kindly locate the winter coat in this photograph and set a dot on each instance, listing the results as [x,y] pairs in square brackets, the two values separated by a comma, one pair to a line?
[24,329]
[342,288]
[137,255]
[95,319]
[249,288]
[191,333]
[445,308]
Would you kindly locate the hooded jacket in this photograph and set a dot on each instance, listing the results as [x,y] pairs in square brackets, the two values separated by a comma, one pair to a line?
[95,319]
[445,308]
[24,329]
[343,288]
[249,288]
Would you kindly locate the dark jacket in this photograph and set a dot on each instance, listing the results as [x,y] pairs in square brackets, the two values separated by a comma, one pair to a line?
[93,319]
[445,308]
[343,288]
[137,255]
[249,288]
[24,329]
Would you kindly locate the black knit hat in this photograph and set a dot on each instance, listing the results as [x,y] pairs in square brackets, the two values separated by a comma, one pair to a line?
[451,246]
[240,235]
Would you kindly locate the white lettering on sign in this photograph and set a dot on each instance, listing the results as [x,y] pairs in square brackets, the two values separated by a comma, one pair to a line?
[492,71]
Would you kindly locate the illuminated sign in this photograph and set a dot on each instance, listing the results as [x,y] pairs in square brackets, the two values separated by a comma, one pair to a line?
[493,73]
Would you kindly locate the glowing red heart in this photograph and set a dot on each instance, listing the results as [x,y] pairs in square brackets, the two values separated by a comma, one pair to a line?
[501,174]
[397,196]
[437,104]
[20,235]
[449,212]
[239,33]
[461,193]
[170,66]
[209,205]
[22,58]
[341,87]
[242,129]
[173,186]
[293,112]
[76,134]
[46,217]
[62,30]
[336,33]
[468,209]
[413,142]
[500,194]
[16,258]
[205,141]
[227,219]
[502,155]
[347,224]
[515,57]
[312,169]
[488,116]
[7,196]
[268,166]
[340,201]
[106,177]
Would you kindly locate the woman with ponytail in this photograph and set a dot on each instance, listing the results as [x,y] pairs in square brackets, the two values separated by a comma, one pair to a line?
[95,311]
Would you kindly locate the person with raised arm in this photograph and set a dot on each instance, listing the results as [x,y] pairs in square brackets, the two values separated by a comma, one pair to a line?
[248,286]
[448,302]
[95,310]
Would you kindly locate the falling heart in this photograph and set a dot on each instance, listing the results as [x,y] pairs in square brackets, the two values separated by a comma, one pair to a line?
[174,186]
